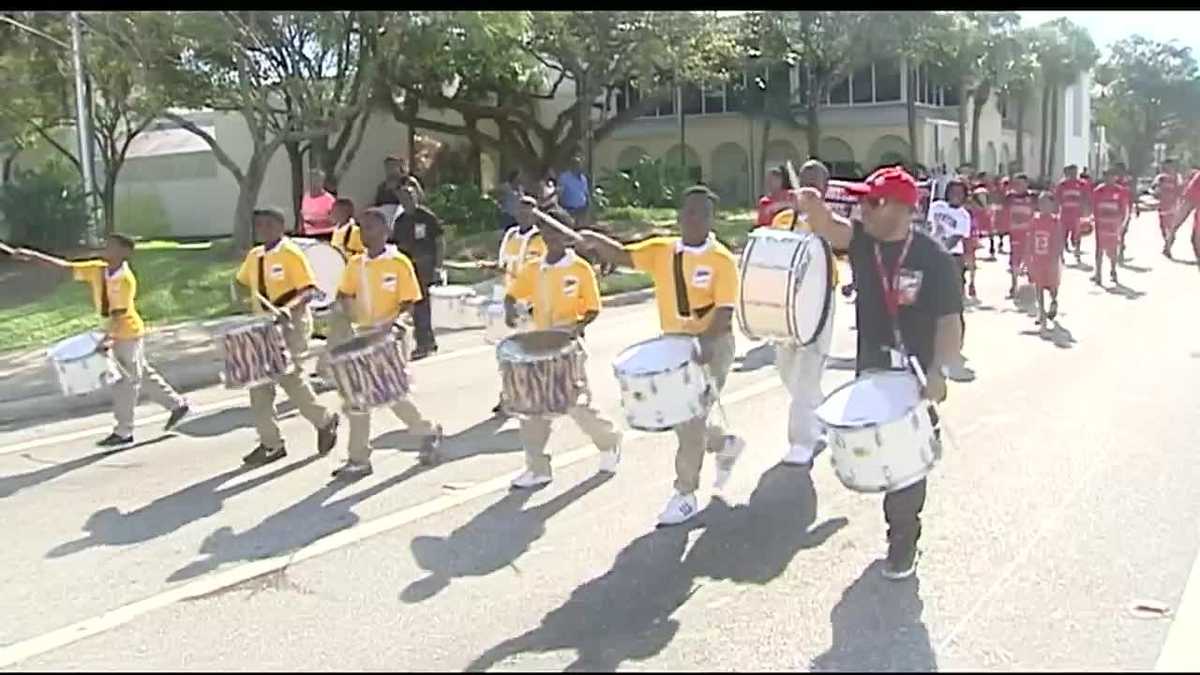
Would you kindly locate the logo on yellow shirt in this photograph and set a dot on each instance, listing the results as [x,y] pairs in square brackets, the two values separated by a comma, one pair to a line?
[570,285]
[277,272]
[389,282]
[702,277]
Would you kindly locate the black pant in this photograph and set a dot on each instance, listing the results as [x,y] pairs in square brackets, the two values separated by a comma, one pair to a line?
[422,323]
[902,508]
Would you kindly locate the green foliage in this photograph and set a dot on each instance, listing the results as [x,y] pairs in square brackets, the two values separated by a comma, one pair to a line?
[464,209]
[648,184]
[45,207]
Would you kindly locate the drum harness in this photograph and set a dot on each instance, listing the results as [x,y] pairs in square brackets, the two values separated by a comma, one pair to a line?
[684,309]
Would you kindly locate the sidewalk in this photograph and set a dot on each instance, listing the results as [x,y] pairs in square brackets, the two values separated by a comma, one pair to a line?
[185,354]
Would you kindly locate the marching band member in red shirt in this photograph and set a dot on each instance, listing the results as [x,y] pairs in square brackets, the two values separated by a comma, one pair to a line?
[996,192]
[1123,181]
[1073,195]
[1191,203]
[777,199]
[1016,213]
[1110,209]
[1045,245]
[981,228]
[1168,188]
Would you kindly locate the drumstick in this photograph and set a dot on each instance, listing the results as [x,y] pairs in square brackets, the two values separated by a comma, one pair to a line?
[7,249]
[270,306]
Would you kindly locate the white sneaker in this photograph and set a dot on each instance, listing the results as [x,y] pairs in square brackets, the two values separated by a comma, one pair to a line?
[530,479]
[798,455]
[680,509]
[609,459]
[727,457]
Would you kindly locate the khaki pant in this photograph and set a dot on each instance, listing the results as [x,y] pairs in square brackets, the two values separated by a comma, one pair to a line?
[698,435]
[800,370]
[294,384]
[131,356]
[535,432]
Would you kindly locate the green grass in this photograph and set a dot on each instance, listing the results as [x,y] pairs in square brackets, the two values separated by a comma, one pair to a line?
[188,281]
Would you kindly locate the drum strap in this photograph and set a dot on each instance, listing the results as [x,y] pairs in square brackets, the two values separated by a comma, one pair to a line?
[104,308]
[682,306]
[890,281]
[262,286]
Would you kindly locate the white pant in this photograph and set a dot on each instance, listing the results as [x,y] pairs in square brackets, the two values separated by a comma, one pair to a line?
[800,369]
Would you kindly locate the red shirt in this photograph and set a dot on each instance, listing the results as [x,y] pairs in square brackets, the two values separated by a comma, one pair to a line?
[1170,189]
[1110,204]
[1046,236]
[1072,196]
[1018,210]
[769,205]
[1192,194]
[981,220]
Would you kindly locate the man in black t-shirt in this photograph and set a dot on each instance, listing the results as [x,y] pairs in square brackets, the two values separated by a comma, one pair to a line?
[927,304]
[418,234]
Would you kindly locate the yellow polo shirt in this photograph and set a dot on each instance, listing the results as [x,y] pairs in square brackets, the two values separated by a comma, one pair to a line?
[379,285]
[285,267]
[561,293]
[510,251]
[709,273]
[113,291]
[348,239]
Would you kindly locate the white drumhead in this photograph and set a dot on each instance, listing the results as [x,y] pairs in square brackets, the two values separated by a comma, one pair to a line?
[328,265]
[451,291]
[655,355]
[874,398]
[75,347]
[813,297]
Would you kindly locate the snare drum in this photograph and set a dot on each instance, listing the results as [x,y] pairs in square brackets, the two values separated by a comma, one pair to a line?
[787,286]
[662,383]
[455,307]
[370,370]
[254,351]
[542,372]
[880,431]
[80,365]
[496,329]
[328,264]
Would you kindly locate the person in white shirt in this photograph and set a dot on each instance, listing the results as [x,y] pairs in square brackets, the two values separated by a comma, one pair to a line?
[950,223]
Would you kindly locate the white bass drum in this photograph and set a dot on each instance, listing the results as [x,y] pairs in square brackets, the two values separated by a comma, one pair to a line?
[328,264]
[786,289]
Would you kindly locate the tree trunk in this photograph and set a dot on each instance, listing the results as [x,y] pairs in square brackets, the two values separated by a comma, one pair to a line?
[1051,164]
[962,126]
[1020,137]
[6,171]
[978,101]
[910,109]
[1045,126]
[812,132]
[247,201]
[766,138]
[296,165]
[108,201]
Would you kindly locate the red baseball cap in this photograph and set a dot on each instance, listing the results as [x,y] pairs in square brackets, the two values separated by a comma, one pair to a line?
[892,183]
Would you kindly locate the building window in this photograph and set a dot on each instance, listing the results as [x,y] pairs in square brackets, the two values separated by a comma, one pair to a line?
[839,94]
[863,85]
[714,99]
[779,76]
[1077,111]
[735,94]
[950,96]
[693,100]
[887,81]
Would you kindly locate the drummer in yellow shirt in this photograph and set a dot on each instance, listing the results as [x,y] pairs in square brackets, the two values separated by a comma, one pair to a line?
[346,237]
[114,292]
[279,272]
[695,288]
[563,292]
[521,247]
[377,288]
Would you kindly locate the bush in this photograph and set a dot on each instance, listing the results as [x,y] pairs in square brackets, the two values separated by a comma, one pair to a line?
[45,207]
[651,183]
[464,209]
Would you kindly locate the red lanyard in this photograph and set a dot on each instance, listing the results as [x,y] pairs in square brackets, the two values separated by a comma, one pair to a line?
[891,281]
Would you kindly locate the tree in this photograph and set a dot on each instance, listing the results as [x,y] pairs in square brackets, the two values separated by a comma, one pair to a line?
[998,45]
[1149,92]
[763,101]
[275,70]
[828,46]
[1064,50]
[490,73]
[1017,81]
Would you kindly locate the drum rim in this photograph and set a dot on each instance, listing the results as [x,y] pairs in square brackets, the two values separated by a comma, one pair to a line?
[661,371]
[876,423]
[571,346]
[789,305]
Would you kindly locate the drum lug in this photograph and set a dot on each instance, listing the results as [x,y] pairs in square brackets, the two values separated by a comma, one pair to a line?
[878,438]
[887,475]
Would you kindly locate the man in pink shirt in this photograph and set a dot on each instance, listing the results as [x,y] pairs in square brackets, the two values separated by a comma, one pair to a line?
[316,207]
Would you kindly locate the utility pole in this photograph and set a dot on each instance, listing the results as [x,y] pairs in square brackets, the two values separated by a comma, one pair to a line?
[83,126]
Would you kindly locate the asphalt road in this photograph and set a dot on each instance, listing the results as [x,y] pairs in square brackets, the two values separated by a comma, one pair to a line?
[1066,497]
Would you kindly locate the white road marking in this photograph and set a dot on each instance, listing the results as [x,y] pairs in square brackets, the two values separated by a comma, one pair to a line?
[220,580]
[213,406]
[1181,653]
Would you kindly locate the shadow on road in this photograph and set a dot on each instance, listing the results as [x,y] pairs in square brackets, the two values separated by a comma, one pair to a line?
[759,357]
[1133,268]
[231,419]
[1124,291]
[110,527]
[626,614]
[490,541]
[877,627]
[1058,335]
[481,438]
[288,530]
[11,485]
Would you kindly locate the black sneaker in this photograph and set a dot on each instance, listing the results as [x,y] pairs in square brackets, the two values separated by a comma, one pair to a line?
[114,441]
[422,351]
[264,455]
[176,415]
[901,562]
[353,471]
[1053,313]
[499,409]
[428,454]
[327,437]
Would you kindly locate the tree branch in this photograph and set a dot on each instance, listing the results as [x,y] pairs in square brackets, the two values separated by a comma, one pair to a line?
[222,157]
